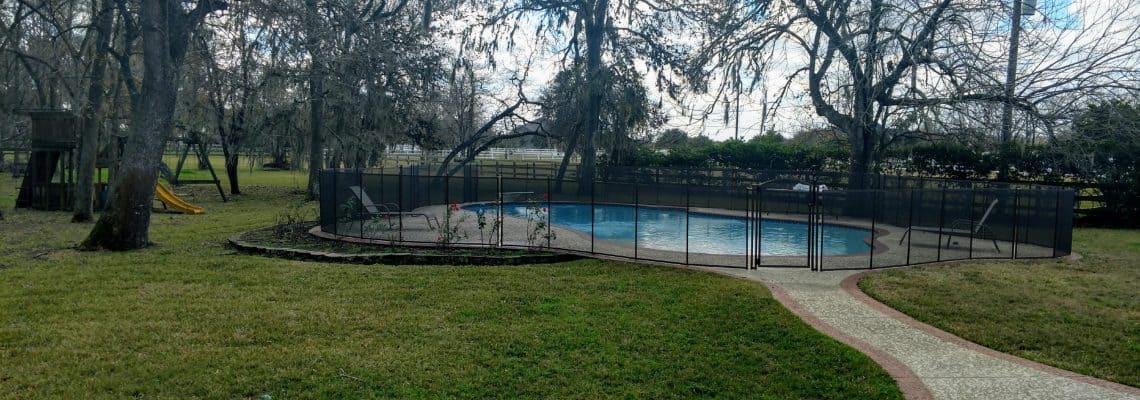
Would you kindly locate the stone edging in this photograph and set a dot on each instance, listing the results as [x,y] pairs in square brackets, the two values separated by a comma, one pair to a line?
[395,258]
[851,286]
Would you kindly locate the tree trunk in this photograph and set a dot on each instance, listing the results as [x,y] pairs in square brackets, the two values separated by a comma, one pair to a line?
[202,155]
[316,97]
[89,136]
[343,152]
[1010,81]
[231,141]
[862,136]
[316,108]
[165,27]
[862,156]
[595,86]
[336,153]
[125,224]
[281,157]
[865,126]
[570,147]
[230,153]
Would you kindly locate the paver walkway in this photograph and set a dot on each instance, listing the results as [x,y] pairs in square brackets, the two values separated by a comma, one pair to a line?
[926,362]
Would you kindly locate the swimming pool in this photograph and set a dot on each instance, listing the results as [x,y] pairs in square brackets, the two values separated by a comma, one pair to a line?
[664,229]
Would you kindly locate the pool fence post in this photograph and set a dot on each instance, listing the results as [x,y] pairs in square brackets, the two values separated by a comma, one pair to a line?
[383,188]
[1056,220]
[549,212]
[400,203]
[813,230]
[909,224]
[1016,209]
[941,222]
[759,227]
[448,212]
[817,225]
[657,192]
[502,221]
[757,256]
[821,216]
[748,205]
[593,212]
[874,215]
[749,226]
[817,215]
[331,184]
[811,225]
[636,211]
[686,224]
[360,204]
[973,198]
[753,218]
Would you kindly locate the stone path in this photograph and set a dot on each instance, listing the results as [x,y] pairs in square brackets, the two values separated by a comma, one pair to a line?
[926,362]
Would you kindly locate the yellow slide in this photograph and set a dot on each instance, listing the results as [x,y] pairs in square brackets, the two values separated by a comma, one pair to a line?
[174,202]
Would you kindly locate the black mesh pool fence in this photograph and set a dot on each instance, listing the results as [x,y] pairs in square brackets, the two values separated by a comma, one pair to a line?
[785,220]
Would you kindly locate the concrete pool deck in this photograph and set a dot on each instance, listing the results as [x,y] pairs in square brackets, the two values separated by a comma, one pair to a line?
[926,362]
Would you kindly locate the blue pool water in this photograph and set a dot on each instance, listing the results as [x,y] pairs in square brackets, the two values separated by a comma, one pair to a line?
[664,229]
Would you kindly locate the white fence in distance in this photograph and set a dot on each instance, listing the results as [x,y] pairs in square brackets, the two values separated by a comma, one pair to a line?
[494,153]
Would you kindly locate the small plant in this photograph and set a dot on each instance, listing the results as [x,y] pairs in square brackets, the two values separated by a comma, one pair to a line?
[486,236]
[293,221]
[348,210]
[537,226]
[449,232]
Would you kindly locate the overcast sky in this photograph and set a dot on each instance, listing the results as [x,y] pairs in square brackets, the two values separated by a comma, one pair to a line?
[1060,21]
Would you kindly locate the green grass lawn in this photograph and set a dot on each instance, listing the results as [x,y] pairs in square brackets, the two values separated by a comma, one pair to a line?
[1081,316]
[246,175]
[189,318]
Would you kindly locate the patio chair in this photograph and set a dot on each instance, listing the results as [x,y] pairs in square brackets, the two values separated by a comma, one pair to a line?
[961,228]
[388,209]
[509,197]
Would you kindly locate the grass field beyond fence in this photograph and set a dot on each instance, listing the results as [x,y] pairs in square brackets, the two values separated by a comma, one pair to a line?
[190,318]
[1082,316]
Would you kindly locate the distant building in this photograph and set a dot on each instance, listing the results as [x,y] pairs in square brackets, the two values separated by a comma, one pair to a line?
[533,141]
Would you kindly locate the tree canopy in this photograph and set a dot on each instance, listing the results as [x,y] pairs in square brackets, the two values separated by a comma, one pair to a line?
[308,84]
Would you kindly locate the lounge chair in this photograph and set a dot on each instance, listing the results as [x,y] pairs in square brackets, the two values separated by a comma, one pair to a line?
[509,197]
[961,228]
[389,209]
